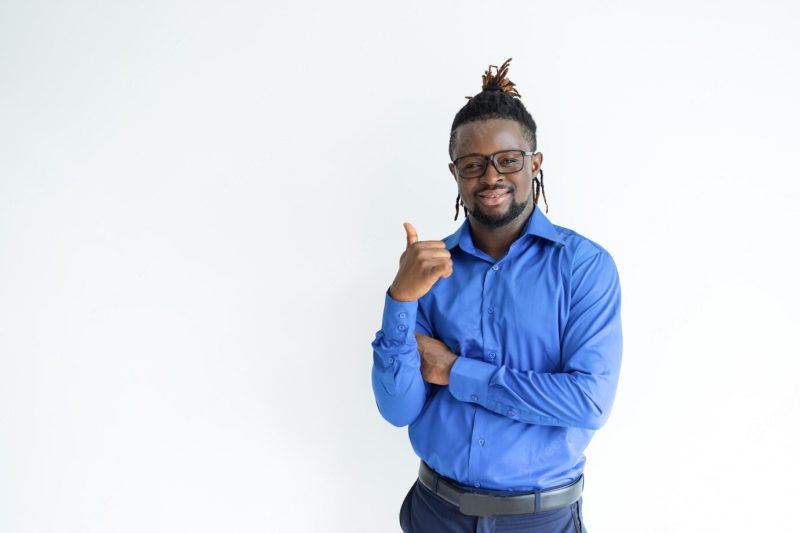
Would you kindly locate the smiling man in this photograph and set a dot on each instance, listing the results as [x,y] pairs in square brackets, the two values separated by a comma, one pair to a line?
[500,346]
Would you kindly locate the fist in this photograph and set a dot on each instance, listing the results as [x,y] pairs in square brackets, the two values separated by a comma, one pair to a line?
[421,265]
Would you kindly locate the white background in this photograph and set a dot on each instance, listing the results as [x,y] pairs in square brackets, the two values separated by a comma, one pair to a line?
[201,206]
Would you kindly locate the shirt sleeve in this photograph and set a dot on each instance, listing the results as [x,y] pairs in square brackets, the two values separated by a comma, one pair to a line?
[400,392]
[591,348]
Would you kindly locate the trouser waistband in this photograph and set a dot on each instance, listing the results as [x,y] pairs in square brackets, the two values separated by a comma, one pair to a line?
[475,504]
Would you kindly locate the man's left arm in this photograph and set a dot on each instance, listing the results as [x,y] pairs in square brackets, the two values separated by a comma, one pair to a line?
[582,394]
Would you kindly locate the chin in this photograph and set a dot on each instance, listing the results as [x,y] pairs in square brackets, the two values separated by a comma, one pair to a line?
[499,220]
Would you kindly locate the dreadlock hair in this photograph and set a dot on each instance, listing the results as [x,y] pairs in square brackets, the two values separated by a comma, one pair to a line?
[498,99]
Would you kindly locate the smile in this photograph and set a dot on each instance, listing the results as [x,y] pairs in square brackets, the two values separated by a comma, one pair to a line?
[493,197]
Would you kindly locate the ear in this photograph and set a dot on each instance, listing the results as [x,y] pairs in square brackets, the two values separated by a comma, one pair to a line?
[452,168]
[536,162]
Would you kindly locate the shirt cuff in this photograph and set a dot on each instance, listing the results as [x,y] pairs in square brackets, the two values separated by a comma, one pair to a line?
[399,320]
[469,380]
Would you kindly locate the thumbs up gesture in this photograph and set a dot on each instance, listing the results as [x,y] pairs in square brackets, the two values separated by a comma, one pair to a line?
[421,265]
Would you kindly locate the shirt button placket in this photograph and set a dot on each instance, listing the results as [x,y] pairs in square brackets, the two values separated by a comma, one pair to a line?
[479,421]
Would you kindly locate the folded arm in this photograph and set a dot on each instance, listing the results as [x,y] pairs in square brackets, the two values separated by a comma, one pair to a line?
[582,394]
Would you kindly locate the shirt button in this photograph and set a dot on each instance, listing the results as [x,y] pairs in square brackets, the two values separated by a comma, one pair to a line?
[491,356]
[473,397]
[490,310]
[402,315]
[495,268]
[481,441]
[477,485]
[511,412]
[401,327]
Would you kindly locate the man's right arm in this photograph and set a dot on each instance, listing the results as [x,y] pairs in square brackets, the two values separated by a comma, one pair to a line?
[400,391]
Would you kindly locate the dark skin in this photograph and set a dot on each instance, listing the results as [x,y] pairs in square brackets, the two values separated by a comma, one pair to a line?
[487,137]
[424,262]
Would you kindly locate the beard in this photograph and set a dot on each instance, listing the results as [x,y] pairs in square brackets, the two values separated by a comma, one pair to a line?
[498,221]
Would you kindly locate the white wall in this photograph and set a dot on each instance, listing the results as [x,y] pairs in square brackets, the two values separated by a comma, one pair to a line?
[201,205]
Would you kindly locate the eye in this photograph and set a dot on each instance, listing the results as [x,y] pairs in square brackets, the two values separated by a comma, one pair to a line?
[508,161]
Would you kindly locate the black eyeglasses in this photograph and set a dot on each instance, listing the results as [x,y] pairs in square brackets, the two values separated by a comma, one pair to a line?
[505,161]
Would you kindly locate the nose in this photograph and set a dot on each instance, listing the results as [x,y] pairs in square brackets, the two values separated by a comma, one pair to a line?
[491,175]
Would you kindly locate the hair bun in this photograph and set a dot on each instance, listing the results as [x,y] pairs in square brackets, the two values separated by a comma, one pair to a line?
[497,81]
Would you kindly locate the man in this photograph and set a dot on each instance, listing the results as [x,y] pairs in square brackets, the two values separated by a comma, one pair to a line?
[500,346]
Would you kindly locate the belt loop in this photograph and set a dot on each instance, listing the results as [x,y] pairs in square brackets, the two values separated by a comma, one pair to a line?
[435,483]
[537,505]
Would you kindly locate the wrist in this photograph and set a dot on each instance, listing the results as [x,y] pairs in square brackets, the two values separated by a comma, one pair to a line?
[399,296]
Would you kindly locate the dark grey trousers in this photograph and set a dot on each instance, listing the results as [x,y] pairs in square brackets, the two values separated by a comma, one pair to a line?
[424,512]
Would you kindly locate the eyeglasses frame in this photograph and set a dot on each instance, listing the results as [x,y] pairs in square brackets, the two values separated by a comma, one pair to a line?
[491,157]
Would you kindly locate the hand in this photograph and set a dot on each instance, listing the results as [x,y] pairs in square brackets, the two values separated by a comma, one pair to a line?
[421,265]
[436,359]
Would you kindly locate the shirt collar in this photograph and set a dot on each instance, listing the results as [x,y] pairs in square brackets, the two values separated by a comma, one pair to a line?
[537,225]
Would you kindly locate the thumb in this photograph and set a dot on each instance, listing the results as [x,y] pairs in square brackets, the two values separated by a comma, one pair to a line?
[411,234]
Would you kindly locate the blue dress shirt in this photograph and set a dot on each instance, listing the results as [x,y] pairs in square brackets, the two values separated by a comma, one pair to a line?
[539,340]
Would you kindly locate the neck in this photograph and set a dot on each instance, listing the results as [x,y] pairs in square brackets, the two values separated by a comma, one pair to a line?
[497,241]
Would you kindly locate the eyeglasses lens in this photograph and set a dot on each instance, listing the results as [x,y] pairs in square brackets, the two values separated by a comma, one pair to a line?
[504,162]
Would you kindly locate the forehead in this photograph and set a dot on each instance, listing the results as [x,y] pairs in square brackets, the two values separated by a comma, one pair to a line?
[489,136]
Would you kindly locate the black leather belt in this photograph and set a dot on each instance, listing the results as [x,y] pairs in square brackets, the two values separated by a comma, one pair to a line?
[476,504]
